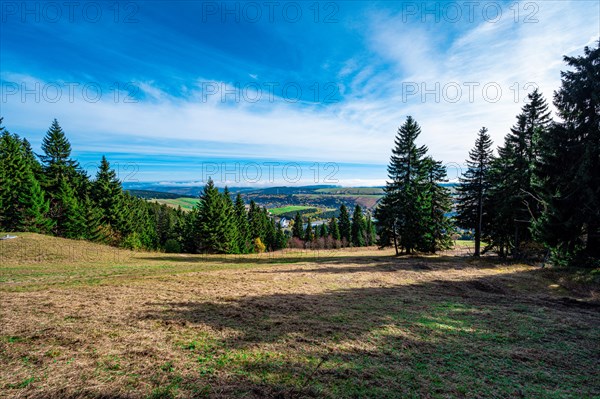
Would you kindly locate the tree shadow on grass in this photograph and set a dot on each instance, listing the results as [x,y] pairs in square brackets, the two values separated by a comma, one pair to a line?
[353,263]
[474,337]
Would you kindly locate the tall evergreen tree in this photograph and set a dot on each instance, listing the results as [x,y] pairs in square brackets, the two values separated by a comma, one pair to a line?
[213,221]
[309,234]
[297,230]
[281,238]
[473,190]
[344,224]
[358,227]
[70,222]
[400,212]
[244,241]
[370,235]
[438,203]
[106,193]
[514,203]
[334,229]
[567,174]
[323,231]
[24,207]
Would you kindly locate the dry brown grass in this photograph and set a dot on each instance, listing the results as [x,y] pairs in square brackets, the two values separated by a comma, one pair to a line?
[85,320]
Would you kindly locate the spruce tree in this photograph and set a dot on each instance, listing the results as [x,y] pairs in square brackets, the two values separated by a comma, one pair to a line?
[244,241]
[370,235]
[334,229]
[297,230]
[473,190]
[358,227]
[514,202]
[323,231]
[309,234]
[34,206]
[92,221]
[400,212]
[70,222]
[106,193]
[438,204]
[24,207]
[344,225]
[230,227]
[567,174]
[213,221]
[281,238]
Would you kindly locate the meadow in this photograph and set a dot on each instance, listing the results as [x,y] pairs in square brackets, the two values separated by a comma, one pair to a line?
[82,320]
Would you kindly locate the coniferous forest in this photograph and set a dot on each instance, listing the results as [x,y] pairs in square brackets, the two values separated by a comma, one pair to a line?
[538,195]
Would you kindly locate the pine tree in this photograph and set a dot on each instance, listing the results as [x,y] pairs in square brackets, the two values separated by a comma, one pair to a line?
[34,206]
[229,223]
[24,206]
[281,238]
[297,230]
[473,190]
[344,224]
[438,203]
[370,235]
[70,222]
[400,212]
[213,222]
[323,232]
[309,234]
[514,203]
[358,227]
[106,192]
[567,174]
[334,229]
[256,222]
[92,221]
[244,242]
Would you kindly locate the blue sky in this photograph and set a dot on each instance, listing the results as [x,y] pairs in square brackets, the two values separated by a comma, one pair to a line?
[167,89]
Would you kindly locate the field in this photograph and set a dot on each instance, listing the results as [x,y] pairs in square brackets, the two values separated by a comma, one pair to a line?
[186,203]
[81,320]
[290,208]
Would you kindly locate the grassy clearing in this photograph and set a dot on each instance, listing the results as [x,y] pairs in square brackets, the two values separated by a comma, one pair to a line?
[289,208]
[83,320]
[186,203]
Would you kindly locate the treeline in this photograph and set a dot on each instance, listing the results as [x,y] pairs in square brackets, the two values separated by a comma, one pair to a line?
[51,194]
[539,195]
[339,232]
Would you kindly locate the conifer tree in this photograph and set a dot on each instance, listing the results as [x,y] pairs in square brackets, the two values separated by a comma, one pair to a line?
[212,221]
[244,241]
[567,174]
[309,234]
[323,232]
[92,221]
[70,222]
[297,230]
[514,203]
[281,237]
[400,212]
[334,229]
[34,206]
[370,235]
[358,227]
[230,227]
[24,207]
[437,226]
[106,193]
[473,190]
[344,224]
